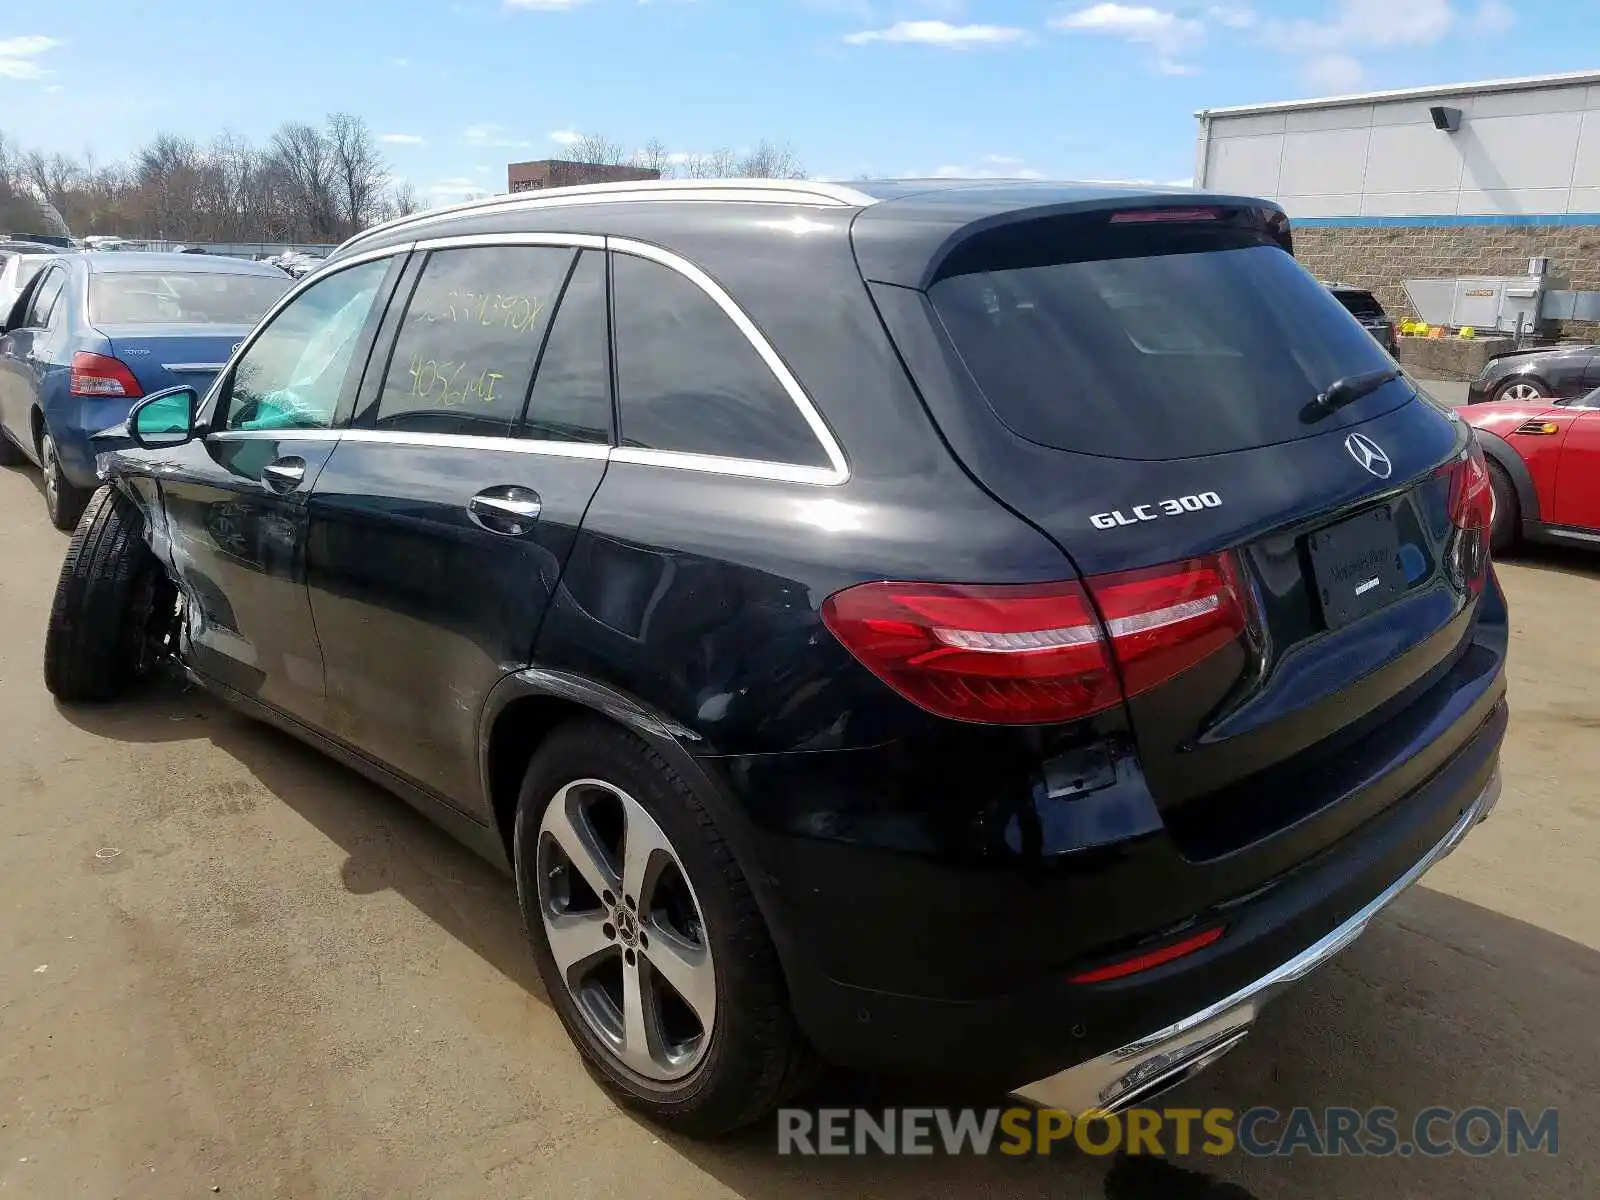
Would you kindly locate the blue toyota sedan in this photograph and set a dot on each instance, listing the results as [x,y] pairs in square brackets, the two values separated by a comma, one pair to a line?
[94,332]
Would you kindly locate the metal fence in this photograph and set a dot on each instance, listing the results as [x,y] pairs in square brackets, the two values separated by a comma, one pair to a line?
[232,249]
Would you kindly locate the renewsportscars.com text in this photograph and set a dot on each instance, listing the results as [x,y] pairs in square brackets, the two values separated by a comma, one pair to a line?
[1259,1132]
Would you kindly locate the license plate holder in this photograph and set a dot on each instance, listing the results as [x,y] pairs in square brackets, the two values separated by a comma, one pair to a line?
[1356,566]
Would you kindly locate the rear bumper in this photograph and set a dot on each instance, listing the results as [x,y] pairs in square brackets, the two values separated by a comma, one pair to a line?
[892,920]
[1141,1069]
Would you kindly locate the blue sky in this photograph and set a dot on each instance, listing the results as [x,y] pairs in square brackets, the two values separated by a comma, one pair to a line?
[889,87]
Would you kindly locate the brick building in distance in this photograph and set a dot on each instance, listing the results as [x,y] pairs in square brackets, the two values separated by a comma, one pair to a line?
[555,172]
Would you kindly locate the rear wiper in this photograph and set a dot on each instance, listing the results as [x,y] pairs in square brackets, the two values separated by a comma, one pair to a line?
[1347,390]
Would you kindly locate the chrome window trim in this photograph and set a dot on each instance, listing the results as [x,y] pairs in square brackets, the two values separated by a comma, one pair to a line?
[275,435]
[211,366]
[772,191]
[711,464]
[838,470]
[463,441]
[208,406]
[464,241]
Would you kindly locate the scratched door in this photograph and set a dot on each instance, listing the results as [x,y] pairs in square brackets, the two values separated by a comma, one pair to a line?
[441,524]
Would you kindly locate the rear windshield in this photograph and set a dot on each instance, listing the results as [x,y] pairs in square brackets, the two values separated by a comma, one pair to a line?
[1152,341]
[182,297]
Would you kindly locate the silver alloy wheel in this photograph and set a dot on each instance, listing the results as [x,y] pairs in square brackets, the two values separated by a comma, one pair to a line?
[52,474]
[1525,393]
[626,930]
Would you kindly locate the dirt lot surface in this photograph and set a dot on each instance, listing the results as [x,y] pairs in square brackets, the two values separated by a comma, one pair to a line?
[231,967]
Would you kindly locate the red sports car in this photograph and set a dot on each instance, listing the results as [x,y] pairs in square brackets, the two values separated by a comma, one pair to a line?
[1544,461]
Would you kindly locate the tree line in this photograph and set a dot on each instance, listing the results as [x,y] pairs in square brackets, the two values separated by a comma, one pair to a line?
[308,183]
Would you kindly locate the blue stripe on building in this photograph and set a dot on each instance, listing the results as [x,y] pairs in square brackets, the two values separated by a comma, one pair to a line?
[1429,222]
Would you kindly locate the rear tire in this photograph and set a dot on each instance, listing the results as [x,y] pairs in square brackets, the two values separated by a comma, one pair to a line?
[63,499]
[597,789]
[113,607]
[1505,527]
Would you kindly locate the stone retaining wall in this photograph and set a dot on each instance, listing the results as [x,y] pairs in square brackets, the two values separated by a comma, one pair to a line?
[1382,258]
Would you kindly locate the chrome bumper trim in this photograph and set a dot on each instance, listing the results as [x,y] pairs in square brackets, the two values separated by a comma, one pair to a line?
[1142,1069]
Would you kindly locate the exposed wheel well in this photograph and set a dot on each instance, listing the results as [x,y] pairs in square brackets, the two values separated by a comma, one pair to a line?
[36,423]
[519,730]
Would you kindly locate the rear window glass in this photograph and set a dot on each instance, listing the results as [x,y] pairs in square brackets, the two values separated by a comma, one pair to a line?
[1152,342]
[182,298]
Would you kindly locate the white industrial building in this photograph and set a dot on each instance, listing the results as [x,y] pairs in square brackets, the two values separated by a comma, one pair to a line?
[1511,147]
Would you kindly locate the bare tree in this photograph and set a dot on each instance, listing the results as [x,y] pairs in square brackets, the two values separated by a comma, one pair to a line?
[402,199]
[359,170]
[770,161]
[305,158]
[655,157]
[310,183]
[599,150]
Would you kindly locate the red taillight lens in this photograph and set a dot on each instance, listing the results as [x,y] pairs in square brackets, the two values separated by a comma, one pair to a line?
[1472,514]
[101,375]
[1034,653]
[1164,620]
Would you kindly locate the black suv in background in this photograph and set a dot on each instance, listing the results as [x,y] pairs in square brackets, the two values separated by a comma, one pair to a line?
[995,631]
[1364,307]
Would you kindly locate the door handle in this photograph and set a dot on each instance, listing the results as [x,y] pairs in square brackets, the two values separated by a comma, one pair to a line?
[284,474]
[508,510]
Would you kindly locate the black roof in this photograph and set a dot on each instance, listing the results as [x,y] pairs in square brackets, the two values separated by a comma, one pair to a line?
[901,229]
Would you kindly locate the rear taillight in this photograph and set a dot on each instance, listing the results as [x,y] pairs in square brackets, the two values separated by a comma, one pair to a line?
[1472,514]
[1034,653]
[102,375]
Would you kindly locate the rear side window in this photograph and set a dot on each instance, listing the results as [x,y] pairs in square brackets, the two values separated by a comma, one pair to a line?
[1151,342]
[571,398]
[470,337]
[689,381]
[44,299]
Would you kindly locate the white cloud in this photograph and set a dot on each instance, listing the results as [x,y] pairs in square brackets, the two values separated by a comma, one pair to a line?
[1232,16]
[1329,46]
[997,166]
[17,56]
[456,188]
[940,33]
[1494,16]
[566,137]
[1168,34]
[1332,74]
[1381,24]
[491,134]
[403,139]
[402,63]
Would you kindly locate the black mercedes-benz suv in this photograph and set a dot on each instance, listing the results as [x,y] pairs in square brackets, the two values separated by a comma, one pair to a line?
[1003,632]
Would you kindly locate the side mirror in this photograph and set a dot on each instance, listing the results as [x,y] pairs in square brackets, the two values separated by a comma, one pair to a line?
[164,419]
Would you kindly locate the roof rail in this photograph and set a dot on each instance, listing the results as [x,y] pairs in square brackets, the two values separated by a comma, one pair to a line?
[771,191]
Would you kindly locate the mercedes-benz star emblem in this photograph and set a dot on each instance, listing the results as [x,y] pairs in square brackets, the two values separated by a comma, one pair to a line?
[1369,454]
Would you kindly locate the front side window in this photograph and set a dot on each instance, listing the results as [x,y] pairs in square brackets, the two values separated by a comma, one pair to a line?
[689,381]
[469,340]
[291,377]
[182,297]
[45,298]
